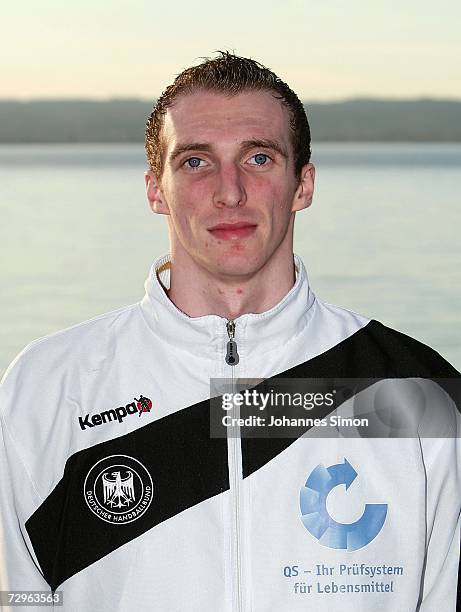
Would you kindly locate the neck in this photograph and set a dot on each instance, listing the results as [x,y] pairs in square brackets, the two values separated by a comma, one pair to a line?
[197,292]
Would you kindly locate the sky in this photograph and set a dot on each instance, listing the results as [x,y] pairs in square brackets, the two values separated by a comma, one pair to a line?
[325,50]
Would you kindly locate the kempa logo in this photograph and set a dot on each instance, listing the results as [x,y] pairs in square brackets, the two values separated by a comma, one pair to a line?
[118,489]
[143,404]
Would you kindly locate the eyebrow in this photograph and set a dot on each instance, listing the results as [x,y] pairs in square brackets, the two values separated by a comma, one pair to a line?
[265,144]
[192,146]
[245,145]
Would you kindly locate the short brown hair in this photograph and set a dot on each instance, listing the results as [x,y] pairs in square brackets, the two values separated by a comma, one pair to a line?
[230,74]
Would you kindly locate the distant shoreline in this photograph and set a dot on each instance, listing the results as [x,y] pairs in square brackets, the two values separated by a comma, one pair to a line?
[123,120]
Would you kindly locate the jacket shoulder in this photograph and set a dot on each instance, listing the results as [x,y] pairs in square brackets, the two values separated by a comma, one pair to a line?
[370,349]
[403,355]
[53,375]
[83,346]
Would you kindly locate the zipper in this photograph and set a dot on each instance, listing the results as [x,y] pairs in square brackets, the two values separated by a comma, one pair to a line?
[232,356]
[235,470]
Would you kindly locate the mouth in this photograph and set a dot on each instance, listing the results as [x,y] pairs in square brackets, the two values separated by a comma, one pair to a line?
[232,231]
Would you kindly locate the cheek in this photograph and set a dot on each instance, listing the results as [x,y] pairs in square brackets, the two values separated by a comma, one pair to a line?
[188,205]
[279,215]
[275,201]
[191,194]
[274,189]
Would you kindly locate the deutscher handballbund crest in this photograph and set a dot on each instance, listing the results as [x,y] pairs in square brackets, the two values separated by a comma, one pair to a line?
[118,489]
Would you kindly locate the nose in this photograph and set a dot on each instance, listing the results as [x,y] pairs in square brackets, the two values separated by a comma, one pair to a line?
[229,191]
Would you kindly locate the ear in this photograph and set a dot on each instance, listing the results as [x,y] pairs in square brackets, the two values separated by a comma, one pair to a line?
[305,191]
[154,193]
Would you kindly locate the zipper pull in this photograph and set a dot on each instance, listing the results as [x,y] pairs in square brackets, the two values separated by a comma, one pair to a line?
[232,356]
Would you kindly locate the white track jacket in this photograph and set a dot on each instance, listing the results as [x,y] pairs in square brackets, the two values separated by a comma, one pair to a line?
[115,493]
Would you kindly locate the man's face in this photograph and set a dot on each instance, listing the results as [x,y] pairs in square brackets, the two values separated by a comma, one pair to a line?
[228,182]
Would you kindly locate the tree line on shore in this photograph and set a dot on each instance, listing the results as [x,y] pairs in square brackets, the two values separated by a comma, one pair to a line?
[122,120]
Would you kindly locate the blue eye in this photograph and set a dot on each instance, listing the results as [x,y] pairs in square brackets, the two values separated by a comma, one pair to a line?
[193,162]
[260,159]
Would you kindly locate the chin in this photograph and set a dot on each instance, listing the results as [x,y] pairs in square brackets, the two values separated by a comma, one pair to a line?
[235,265]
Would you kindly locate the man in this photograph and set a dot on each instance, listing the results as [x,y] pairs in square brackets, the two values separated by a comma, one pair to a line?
[113,489]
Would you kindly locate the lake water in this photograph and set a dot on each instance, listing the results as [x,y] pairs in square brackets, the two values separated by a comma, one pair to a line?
[381,238]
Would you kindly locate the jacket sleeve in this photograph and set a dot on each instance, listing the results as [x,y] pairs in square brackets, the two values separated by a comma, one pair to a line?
[443,469]
[19,498]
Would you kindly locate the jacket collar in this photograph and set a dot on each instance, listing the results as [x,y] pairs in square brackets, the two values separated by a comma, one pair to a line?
[263,331]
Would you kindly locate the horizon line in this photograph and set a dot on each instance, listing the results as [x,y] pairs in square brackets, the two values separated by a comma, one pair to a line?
[355,98]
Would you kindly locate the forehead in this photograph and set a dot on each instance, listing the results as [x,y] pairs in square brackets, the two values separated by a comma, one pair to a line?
[218,118]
